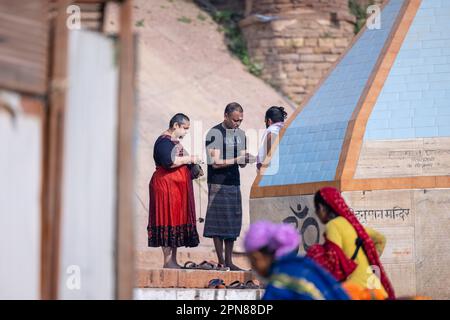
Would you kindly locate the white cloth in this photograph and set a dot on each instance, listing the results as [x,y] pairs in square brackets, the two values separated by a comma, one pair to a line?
[274,129]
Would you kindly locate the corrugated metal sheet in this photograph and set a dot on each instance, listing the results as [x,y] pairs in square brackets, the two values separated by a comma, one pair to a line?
[20,211]
[91,14]
[24,40]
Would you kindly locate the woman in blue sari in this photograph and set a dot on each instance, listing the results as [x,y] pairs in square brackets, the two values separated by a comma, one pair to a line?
[272,250]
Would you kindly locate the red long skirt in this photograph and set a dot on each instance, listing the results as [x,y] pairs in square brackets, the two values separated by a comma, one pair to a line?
[172,219]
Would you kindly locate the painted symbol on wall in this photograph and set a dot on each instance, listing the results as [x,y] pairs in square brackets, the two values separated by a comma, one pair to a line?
[302,223]
[291,220]
[301,214]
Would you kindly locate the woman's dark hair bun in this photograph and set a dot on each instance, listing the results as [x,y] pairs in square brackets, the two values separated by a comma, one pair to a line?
[276,114]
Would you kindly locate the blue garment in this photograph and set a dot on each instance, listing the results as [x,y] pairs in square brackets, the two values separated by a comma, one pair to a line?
[299,278]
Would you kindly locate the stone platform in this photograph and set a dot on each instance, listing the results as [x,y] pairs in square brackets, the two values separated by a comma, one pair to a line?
[187,278]
[152,259]
[197,294]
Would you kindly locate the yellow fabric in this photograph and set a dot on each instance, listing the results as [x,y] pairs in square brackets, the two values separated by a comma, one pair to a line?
[342,233]
[357,292]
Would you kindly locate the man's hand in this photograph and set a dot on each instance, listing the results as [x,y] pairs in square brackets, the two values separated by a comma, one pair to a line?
[249,158]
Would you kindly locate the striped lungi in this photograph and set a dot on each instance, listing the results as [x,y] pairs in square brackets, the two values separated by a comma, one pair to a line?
[224,214]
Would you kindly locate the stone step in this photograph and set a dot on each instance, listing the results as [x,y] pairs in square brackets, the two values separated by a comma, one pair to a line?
[187,278]
[197,294]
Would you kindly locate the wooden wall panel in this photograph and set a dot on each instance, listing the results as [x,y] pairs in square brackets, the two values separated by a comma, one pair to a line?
[24,40]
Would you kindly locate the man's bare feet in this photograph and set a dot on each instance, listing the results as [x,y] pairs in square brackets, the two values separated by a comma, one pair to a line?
[171,265]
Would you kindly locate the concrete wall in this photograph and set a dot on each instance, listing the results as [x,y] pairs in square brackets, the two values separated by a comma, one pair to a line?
[298,211]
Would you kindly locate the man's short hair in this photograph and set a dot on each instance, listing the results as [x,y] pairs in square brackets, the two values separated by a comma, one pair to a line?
[232,107]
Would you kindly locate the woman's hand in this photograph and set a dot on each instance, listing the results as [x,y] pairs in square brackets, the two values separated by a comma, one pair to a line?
[195,160]
[249,158]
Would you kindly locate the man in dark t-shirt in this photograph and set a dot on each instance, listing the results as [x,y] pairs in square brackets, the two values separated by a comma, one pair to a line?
[226,152]
[230,143]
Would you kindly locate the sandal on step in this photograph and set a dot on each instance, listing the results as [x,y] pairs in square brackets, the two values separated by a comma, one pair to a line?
[250,284]
[215,266]
[221,267]
[190,265]
[205,265]
[216,284]
[236,285]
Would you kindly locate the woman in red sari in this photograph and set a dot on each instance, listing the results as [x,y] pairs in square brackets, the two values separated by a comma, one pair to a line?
[350,252]
[172,221]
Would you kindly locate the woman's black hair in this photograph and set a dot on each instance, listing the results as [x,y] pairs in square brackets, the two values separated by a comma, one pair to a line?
[276,114]
[318,199]
[179,118]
